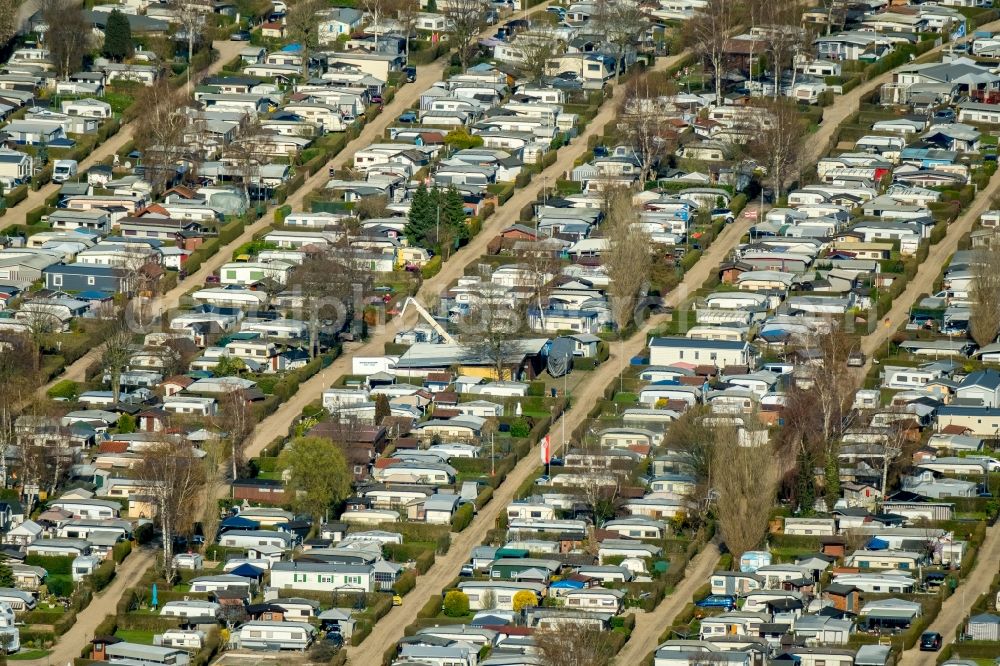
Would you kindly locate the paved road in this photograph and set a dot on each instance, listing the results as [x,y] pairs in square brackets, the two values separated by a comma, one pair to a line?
[104,604]
[15,214]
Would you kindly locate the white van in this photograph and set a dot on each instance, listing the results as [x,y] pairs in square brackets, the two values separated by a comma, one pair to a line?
[63,170]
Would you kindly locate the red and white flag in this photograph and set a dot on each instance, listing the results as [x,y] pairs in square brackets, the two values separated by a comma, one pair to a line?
[546,450]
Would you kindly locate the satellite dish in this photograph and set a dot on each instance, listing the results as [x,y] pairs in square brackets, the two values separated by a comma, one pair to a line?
[128,165]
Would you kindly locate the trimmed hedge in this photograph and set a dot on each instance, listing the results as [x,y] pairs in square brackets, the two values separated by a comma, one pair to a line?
[16,196]
[405,583]
[462,518]
[121,550]
[431,607]
[53,565]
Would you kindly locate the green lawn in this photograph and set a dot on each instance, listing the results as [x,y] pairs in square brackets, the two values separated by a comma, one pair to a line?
[135,636]
[25,655]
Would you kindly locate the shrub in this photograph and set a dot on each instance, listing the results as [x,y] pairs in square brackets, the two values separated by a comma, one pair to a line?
[53,565]
[425,561]
[456,603]
[405,583]
[64,389]
[524,599]
[431,268]
[144,533]
[16,195]
[431,607]
[520,428]
[281,213]
[121,550]
[462,518]
[484,497]
[103,575]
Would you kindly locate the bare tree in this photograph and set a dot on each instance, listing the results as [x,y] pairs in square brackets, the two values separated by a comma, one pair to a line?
[160,130]
[407,12]
[237,422]
[623,25]
[490,330]
[465,19]
[627,258]
[746,481]
[709,31]
[116,353]
[174,476]
[775,135]
[303,26]
[18,374]
[645,124]
[8,19]
[818,406]
[192,16]
[785,38]
[573,644]
[537,47]
[248,153]
[836,14]
[328,283]
[376,10]
[985,321]
[67,37]
[540,267]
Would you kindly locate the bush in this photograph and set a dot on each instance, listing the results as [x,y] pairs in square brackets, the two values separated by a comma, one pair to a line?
[431,607]
[431,268]
[103,575]
[60,585]
[16,196]
[34,216]
[144,533]
[425,561]
[484,497]
[64,389]
[405,583]
[520,428]
[53,565]
[456,603]
[524,599]
[121,550]
[462,517]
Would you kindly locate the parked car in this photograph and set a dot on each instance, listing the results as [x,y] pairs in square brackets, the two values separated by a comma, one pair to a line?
[467,571]
[411,73]
[408,117]
[943,116]
[724,601]
[856,359]
[723,214]
[930,641]
[240,36]
[376,99]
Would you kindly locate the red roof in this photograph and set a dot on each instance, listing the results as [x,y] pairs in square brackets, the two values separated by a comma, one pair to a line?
[384,463]
[113,447]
